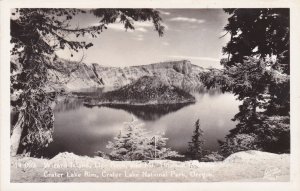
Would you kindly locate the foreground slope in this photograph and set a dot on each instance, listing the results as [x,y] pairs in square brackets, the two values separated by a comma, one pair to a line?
[241,166]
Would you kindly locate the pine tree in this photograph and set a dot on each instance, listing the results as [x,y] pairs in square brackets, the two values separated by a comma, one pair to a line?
[195,147]
[129,142]
[134,143]
[157,148]
[257,72]
[36,35]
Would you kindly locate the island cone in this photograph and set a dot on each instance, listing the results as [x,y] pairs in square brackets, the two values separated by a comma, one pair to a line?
[147,90]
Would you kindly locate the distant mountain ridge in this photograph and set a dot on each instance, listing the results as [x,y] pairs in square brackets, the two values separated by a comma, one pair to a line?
[72,76]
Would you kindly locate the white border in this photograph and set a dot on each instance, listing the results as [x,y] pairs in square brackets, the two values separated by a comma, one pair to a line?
[6,5]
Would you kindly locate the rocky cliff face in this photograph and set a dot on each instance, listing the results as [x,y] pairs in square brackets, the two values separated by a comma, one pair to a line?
[73,76]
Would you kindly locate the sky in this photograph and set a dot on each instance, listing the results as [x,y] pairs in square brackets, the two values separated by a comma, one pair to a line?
[192,34]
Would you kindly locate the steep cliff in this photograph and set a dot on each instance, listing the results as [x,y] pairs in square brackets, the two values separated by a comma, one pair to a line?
[73,76]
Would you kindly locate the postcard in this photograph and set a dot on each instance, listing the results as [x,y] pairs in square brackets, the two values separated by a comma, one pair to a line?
[144,95]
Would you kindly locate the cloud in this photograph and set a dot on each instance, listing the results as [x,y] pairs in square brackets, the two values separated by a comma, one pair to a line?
[118,27]
[143,24]
[195,58]
[187,19]
[164,12]
[138,26]
[139,37]
[141,29]
[166,43]
[147,25]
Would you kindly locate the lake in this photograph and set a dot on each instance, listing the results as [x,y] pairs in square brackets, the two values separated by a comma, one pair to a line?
[84,130]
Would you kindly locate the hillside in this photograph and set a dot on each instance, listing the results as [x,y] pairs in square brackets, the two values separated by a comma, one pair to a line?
[74,76]
[147,90]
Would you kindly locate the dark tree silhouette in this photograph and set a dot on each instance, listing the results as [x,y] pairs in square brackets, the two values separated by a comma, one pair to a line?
[35,35]
[257,72]
[195,147]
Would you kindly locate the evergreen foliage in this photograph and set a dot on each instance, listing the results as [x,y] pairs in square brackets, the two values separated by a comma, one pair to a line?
[134,143]
[195,146]
[36,34]
[257,72]
[212,157]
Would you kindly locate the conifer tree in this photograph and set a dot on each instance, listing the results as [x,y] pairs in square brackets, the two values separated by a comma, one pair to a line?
[134,143]
[36,35]
[157,148]
[195,147]
[257,72]
[130,142]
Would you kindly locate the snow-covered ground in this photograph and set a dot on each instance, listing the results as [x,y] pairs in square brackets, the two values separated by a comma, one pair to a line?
[68,167]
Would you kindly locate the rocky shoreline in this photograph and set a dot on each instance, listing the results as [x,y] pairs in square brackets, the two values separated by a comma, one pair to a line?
[134,104]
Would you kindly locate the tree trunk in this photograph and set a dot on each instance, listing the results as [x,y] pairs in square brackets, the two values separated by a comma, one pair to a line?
[15,138]
[254,102]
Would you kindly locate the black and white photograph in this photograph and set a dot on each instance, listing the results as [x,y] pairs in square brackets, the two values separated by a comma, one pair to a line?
[149,94]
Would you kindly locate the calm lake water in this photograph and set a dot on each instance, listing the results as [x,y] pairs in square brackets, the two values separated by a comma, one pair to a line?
[85,130]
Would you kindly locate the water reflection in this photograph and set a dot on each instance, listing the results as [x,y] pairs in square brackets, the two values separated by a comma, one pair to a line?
[67,104]
[145,112]
[84,130]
